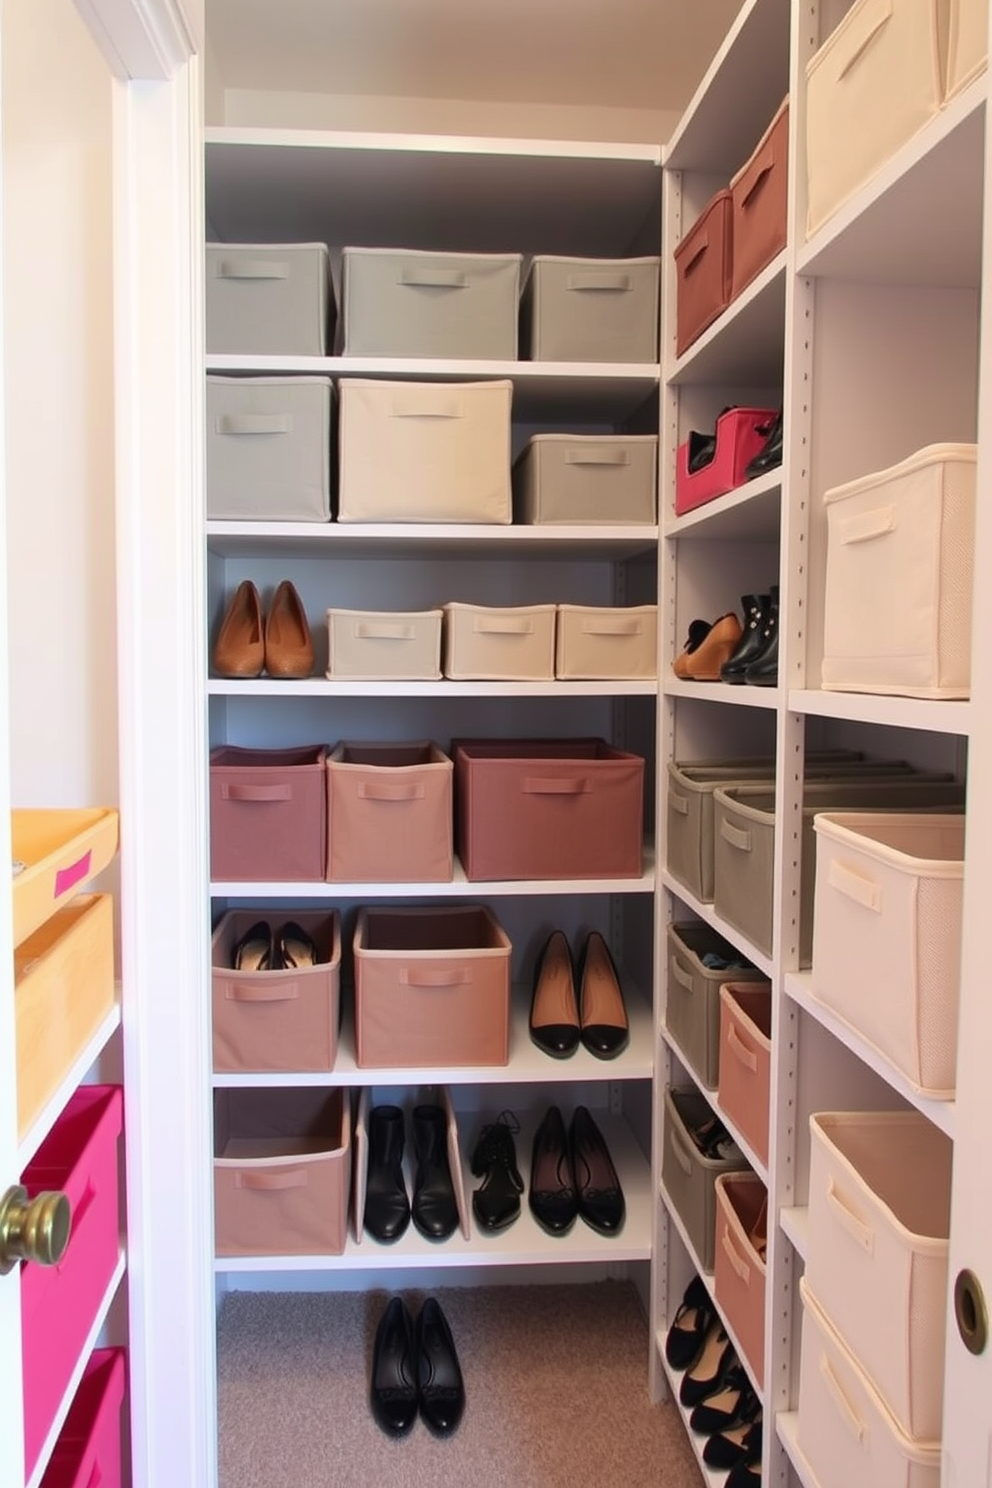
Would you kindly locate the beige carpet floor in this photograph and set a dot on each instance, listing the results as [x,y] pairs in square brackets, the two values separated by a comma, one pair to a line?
[555,1380]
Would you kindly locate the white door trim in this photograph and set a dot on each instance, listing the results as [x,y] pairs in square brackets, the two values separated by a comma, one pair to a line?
[148,40]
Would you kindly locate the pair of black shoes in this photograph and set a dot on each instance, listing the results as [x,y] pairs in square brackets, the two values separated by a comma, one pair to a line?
[755,661]
[715,1388]
[387,1207]
[572,1174]
[415,1367]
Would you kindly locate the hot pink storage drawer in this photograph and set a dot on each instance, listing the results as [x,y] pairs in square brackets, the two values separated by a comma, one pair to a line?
[268,813]
[740,435]
[759,193]
[744,1081]
[59,1304]
[88,1451]
[389,814]
[739,1265]
[704,267]
[548,808]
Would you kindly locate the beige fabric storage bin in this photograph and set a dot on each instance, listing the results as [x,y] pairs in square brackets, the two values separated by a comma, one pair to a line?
[887,936]
[269,449]
[268,299]
[873,84]
[688,1175]
[432,987]
[397,644]
[282,1171]
[846,1433]
[389,813]
[512,643]
[739,1267]
[967,44]
[586,479]
[276,1020]
[900,554]
[424,451]
[613,643]
[744,1082]
[876,1258]
[403,302]
[268,813]
[689,815]
[590,309]
[692,1004]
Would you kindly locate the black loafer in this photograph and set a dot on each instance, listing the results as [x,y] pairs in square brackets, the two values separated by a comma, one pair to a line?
[442,1389]
[393,1391]
[600,1197]
[553,1200]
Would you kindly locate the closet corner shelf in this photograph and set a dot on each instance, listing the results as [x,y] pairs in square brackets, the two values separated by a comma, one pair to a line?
[794,1224]
[933,715]
[787,1426]
[706,912]
[88,1054]
[403,539]
[722,692]
[711,1476]
[750,513]
[747,343]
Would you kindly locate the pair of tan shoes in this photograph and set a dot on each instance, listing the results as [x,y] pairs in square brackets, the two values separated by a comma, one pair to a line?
[248,644]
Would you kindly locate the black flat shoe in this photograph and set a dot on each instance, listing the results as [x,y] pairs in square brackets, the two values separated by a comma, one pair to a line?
[256,950]
[496,1202]
[434,1209]
[387,1208]
[600,1197]
[554,1011]
[442,1388]
[687,1335]
[553,1200]
[710,1369]
[733,1403]
[602,1010]
[393,1390]
[734,1448]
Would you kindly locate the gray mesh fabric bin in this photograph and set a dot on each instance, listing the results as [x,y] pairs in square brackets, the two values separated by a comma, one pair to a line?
[688,1175]
[403,302]
[590,309]
[586,478]
[269,448]
[692,1002]
[270,299]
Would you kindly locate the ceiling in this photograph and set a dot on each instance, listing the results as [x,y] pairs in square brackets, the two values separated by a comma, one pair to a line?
[632,54]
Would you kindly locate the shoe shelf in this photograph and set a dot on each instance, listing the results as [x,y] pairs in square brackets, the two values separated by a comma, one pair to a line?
[407,539]
[443,688]
[787,1427]
[712,1098]
[74,1076]
[752,512]
[713,1477]
[747,342]
[793,1221]
[927,715]
[722,692]
[705,911]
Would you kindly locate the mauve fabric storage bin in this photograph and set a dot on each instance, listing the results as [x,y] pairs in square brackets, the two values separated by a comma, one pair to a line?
[738,1266]
[612,642]
[389,813]
[404,302]
[268,299]
[268,813]
[590,309]
[759,195]
[88,1453]
[744,1082]
[740,434]
[269,448]
[276,1020]
[282,1171]
[703,268]
[688,1176]
[548,808]
[432,987]
[692,1003]
[586,479]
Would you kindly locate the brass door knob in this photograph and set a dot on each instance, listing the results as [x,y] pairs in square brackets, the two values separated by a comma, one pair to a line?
[33,1229]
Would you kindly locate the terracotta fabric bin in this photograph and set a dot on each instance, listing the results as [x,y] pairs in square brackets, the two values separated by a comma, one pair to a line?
[611,642]
[432,987]
[740,434]
[282,1171]
[404,302]
[704,267]
[390,644]
[744,1082]
[590,309]
[739,1268]
[509,643]
[389,813]
[548,808]
[689,1177]
[586,478]
[88,1451]
[269,448]
[268,299]
[968,44]
[692,1003]
[276,1020]
[759,193]
[61,849]
[268,813]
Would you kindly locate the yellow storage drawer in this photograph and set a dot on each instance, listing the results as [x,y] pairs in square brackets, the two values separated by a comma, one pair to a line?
[61,851]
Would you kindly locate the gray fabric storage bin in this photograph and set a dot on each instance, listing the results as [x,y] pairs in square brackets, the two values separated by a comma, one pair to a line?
[689,1177]
[403,302]
[586,478]
[692,1003]
[268,299]
[269,448]
[744,843]
[590,309]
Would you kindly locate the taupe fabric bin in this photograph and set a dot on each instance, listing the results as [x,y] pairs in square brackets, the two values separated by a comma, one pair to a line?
[269,449]
[509,643]
[586,478]
[690,1177]
[609,642]
[591,309]
[406,303]
[268,299]
[389,813]
[365,644]
[268,813]
[692,1003]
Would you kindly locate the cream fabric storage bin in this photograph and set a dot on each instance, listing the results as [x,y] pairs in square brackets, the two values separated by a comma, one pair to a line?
[900,554]
[407,303]
[595,642]
[846,1433]
[887,936]
[586,478]
[397,644]
[876,80]
[268,299]
[967,43]
[513,643]
[590,309]
[876,1257]
[424,451]
[269,449]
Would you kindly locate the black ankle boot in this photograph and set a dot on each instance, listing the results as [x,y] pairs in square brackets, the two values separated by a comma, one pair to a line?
[752,642]
[762,671]
[435,1212]
[770,454]
[387,1208]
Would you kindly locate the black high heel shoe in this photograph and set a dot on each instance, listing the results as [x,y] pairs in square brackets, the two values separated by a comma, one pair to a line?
[553,1200]
[256,950]
[393,1392]
[602,1011]
[600,1197]
[295,948]
[442,1388]
[554,1011]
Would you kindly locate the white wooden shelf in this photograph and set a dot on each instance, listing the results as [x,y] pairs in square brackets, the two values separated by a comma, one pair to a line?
[722,692]
[84,1061]
[706,912]
[794,1224]
[346,540]
[930,715]
[787,1426]
[747,342]
[347,687]
[751,513]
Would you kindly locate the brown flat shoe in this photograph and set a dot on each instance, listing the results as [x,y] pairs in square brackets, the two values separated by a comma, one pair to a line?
[239,650]
[704,655]
[288,643]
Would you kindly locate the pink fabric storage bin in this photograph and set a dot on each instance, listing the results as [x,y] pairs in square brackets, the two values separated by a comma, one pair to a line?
[759,192]
[389,813]
[703,267]
[59,1304]
[88,1451]
[276,1020]
[548,808]
[282,1171]
[432,987]
[740,435]
[744,1080]
[738,1269]
[268,813]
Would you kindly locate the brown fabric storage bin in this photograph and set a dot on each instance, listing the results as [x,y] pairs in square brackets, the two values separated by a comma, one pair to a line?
[739,1268]
[276,1020]
[548,808]
[688,1176]
[389,813]
[282,1171]
[267,814]
[692,1005]
[759,193]
[744,1082]
[704,269]
[432,987]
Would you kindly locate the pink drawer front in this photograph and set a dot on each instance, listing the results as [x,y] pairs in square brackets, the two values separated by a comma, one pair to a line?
[88,1451]
[59,1304]
[740,434]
